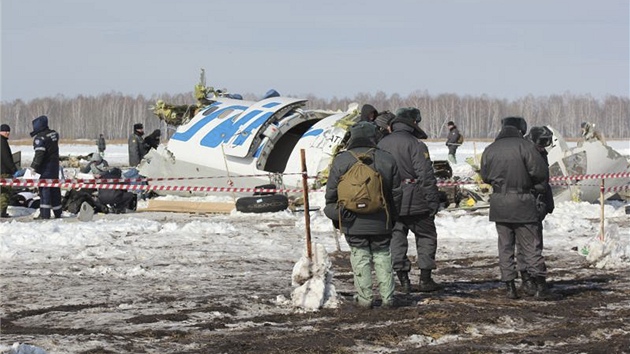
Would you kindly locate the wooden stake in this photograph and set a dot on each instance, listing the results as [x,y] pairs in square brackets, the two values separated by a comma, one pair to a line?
[307,215]
[601,212]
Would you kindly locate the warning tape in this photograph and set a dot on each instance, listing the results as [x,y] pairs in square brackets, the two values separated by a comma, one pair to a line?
[148,179]
[122,183]
[36,183]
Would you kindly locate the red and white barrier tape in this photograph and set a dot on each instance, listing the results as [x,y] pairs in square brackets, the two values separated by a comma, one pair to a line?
[35,183]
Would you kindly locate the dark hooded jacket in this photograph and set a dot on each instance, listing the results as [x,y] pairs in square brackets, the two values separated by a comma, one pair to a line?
[513,166]
[7,167]
[366,111]
[453,136]
[379,223]
[420,196]
[46,145]
[152,141]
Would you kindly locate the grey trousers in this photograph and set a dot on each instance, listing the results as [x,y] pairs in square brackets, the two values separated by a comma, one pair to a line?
[423,228]
[528,240]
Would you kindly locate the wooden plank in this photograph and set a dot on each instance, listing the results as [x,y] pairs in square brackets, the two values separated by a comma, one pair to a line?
[188,207]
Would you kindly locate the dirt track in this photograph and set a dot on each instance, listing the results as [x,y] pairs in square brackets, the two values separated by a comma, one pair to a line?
[468,316]
[471,315]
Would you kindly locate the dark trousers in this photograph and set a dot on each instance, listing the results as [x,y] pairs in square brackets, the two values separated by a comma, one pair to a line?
[528,240]
[50,198]
[423,228]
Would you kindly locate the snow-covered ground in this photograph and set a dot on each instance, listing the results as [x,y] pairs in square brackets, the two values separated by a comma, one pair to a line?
[66,273]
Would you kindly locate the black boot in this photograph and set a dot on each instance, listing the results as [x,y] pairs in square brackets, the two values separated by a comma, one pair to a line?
[511,290]
[542,289]
[528,286]
[403,276]
[426,282]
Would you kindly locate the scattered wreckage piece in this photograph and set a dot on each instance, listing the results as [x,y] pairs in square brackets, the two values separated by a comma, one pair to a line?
[246,144]
[588,158]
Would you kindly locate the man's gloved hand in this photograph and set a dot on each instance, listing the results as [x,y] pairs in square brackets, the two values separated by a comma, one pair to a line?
[433,209]
[347,215]
[539,189]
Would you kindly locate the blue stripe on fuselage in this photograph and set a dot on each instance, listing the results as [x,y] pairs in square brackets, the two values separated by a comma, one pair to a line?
[186,135]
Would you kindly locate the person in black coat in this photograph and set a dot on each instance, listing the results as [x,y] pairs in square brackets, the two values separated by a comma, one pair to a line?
[452,141]
[420,200]
[101,145]
[516,170]
[368,113]
[117,200]
[7,168]
[542,138]
[46,163]
[152,141]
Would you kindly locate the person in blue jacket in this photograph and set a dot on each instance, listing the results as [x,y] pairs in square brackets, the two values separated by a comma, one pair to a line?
[46,164]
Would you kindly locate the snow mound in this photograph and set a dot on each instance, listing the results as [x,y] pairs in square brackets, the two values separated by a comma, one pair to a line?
[313,279]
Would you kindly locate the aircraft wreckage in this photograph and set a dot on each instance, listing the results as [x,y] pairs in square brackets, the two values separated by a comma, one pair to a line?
[226,141]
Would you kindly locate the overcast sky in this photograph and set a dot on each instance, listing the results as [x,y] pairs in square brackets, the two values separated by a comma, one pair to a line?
[505,49]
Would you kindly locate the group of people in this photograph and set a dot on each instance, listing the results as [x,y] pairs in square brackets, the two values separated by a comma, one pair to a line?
[515,166]
[46,164]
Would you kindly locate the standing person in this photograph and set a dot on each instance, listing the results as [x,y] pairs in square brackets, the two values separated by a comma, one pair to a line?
[515,168]
[46,163]
[137,148]
[368,113]
[452,141]
[368,235]
[542,138]
[420,199]
[383,122]
[7,168]
[152,141]
[101,145]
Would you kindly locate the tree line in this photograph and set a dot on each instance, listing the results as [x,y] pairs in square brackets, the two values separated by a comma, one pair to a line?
[113,114]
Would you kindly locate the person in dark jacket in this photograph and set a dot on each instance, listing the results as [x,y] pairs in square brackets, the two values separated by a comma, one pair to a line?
[7,168]
[452,141]
[137,148]
[97,165]
[46,163]
[116,200]
[368,113]
[152,141]
[542,138]
[516,170]
[383,123]
[368,235]
[101,145]
[420,200]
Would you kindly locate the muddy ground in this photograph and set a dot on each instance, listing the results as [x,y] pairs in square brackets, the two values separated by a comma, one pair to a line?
[237,314]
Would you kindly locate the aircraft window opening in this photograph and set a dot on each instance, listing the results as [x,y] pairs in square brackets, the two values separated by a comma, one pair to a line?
[226,114]
[210,110]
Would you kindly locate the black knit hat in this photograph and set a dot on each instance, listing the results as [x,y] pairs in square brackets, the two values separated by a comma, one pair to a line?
[516,122]
[384,119]
[541,136]
[138,126]
[5,128]
[362,134]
